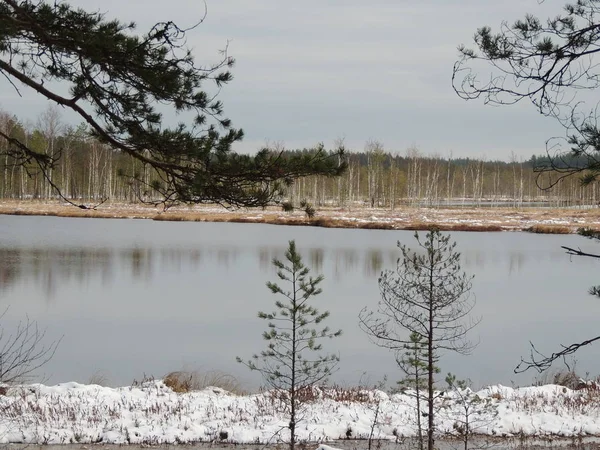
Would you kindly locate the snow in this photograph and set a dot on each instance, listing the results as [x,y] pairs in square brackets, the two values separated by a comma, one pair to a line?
[151,413]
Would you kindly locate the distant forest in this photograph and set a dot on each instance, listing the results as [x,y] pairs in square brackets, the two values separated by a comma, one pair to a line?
[88,171]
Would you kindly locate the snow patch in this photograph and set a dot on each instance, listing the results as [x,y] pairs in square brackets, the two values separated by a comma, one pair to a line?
[151,413]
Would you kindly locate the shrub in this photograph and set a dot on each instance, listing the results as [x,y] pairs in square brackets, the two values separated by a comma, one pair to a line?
[182,381]
[549,229]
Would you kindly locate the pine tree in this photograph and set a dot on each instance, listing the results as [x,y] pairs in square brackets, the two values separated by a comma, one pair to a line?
[413,362]
[474,412]
[429,296]
[548,62]
[115,79]
[292,361]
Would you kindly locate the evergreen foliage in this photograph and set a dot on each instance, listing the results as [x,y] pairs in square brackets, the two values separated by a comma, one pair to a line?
[548,62]
[87,171]
[115,79]
[413,361]
[427,296]
[475,412]
[292,361]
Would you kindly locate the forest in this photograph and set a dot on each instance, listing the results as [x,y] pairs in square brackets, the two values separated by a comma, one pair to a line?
[85,170]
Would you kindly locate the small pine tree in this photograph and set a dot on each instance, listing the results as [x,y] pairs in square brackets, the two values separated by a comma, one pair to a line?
[473,413]
[292,361]
[413,362]
[428,294]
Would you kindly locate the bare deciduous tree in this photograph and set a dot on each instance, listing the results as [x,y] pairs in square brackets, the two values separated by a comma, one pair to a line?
[23,351]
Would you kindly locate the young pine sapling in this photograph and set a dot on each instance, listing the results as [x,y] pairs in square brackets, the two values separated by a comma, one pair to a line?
[292,361]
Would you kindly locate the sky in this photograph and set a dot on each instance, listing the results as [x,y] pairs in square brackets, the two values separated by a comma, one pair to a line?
[323,70]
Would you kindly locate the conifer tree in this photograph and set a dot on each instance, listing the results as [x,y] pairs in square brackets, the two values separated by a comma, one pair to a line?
[114,79]
[292,361]
[473,412]
[413,362]
[549,62]
[427,296]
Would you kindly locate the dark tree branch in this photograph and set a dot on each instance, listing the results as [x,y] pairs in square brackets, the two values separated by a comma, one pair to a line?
[117,78]
[578,252]
[541,362]
[23,351]
[547,63]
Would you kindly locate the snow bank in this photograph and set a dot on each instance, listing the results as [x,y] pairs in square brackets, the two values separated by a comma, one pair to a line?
[153,414]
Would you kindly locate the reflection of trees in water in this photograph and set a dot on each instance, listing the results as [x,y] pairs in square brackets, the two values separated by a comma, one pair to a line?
[344,261]
[140,261]
[373,263]
[49,268]
[370,262]
[476,259]
[146,263]
[264,258]
[9,267]
[316,256]
[515,262]
[177,259]
[516,259]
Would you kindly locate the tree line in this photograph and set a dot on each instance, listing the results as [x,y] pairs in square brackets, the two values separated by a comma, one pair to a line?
[86,170]
[387,179]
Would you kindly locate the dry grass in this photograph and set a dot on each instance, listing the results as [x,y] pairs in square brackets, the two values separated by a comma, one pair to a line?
[568,379]
[453,227]
[549,229]
[497,396]
[536,220]
[273,398]
[100,379]
[183,381]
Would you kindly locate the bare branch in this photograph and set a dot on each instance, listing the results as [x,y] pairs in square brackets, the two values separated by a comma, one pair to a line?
[578,252]
[23,351]
[540,362]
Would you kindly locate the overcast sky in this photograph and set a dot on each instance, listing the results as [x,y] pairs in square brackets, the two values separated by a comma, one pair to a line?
[319,70]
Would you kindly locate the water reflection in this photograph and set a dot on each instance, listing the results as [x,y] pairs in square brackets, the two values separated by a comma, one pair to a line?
[135,297]
[49,268]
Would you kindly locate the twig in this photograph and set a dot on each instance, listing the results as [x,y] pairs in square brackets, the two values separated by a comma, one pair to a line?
[578,252]
[546,361]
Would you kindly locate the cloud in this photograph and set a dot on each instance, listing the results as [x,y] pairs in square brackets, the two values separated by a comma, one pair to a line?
[316,70]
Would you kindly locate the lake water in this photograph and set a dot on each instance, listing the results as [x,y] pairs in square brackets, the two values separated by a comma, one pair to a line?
[135,297]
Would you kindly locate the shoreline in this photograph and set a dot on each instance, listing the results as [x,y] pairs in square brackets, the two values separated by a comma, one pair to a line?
[152,414]
[502,218]
[443,443]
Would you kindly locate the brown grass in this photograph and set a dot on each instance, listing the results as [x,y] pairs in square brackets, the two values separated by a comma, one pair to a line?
[309,394]
[183,381]
[496,396]
[549,229]
[420,226]
[377,226]
[403,218]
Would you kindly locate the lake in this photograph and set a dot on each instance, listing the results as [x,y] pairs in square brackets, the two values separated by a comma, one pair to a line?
[141,297]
